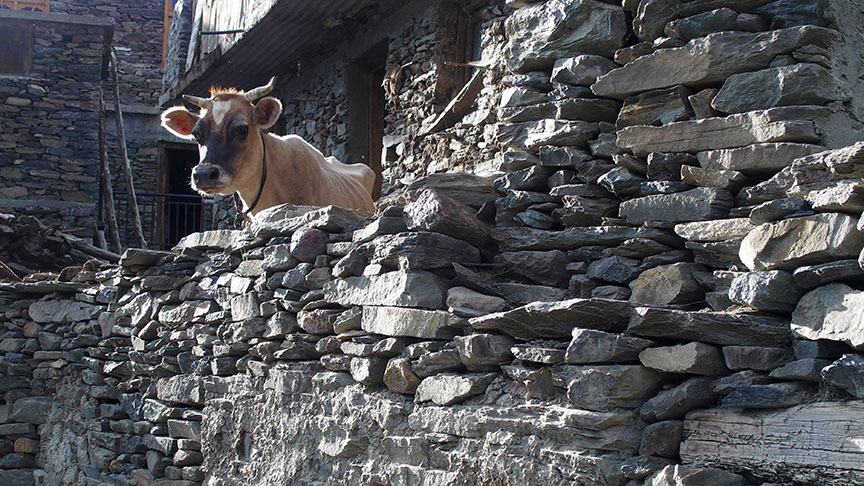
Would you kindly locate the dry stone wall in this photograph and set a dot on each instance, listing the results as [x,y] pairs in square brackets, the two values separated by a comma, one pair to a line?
[664,288]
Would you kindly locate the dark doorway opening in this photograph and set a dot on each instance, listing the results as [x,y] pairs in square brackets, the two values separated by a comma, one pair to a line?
[367,109]
[178,209]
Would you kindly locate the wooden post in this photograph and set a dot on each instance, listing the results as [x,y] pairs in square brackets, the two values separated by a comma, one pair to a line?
[107,208]
[134,213]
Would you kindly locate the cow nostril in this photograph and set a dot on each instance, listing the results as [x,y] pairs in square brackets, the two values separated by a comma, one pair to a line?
[213,175]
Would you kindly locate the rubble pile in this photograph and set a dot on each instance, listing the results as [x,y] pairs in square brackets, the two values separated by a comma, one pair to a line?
[664,288]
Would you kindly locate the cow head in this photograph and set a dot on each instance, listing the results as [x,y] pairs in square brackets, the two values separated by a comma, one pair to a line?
[228,134]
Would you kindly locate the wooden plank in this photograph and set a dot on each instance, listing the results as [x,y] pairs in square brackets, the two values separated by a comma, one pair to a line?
[818,443]
[107,211]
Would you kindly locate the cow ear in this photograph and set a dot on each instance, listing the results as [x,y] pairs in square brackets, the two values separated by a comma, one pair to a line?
[267,112]
[179,121]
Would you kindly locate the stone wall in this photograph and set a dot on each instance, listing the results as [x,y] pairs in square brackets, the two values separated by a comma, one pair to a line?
[663,287]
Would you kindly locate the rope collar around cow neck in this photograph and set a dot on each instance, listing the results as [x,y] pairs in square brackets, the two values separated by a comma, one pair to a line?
[263,173]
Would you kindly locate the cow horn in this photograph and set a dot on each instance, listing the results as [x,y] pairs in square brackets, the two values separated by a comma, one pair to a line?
[199,102]
[260,91]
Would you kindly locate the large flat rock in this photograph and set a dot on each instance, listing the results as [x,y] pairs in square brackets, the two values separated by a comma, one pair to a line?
[516,239]
[699,204]
[557,319]
[783,124]
[707,60]
[834,312]
[760,158]
[418,323]
[722,328]
[398,288]
[796,242]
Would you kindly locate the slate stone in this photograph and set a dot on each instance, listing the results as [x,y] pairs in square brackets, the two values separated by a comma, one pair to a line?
[774,395]
[537,354]
[662,439]
[614,292]
[540,33]
[284,219]
[543,267]
[31,410]
[535,134]
[562,156]
[782,124]
[718,20]
[556,319]
[613,269]
[844,196]
[537,80]
[847,373]
[399,377]
[606,387]
[808,369]
[724,179]
[432,363]
[640,467]
[214,240]
[832,350]
[719,56]
[451,389]
[397,288]
[484,352]
[592,346]
[700,103]
[675,402]
[772,291]
[802,241]
[760,358]
[771,211]
[667,166]
[788,13]
[655,107]
[721,328]
[181,389]
[834,312]
[368,371]
[308,243]
[62,311]
[581,70]
[522,96]
[679,475]
[398,321]
[421,251]
[700,204]
[521,294]
[666,285]
[799,84]
[278,258]
[442,214]
[465,302]
[693,358]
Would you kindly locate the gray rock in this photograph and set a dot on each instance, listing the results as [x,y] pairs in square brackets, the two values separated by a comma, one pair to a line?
[31,410]
[181,389]
[284,219]
[606,387]
[62,311]
[718,56]
[541,33]
[724,179]
[515,239]
[788,13]
[385,225]
[442,214]
[592,346]
[538,80]
[435,362]
[726,329]
[774,395]
[662,439]
[245,306]
[693,358]
[398,321]
[802,241]
[308,243]
[537,354]
[718,20]
[214,240]
[759,358]
[522,96]
[613,269]
[808,369]
[761,158]
[562,156]
[772,291]
[469,303]
[832,350]
[679,475]
[543,267]
[399,377]
[700,103]
[847,373]
[451,389]
[800,84]
[533,135]
[675,402]
[420,251]
[834,312]
[655,107]
[700,204]
[521,294]
[556,319]
[589,110]
[640,467]
[667,166]
[368,371]
[666,285]
[484,352]
[18,477]
[771,211]
[581,70]
[397,288]
[614,292]
[844,196]
[783,124]
[278,258]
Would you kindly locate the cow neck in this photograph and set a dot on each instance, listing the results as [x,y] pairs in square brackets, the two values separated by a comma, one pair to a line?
[263,173]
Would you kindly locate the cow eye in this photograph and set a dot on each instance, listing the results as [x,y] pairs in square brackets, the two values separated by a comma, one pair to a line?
[198,137]
[241,131]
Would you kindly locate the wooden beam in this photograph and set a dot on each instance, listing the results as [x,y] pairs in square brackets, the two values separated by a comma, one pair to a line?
[107,209]
[134,213]
[817,443]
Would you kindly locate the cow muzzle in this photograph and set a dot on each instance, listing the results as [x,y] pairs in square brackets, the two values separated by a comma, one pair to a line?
[206,177]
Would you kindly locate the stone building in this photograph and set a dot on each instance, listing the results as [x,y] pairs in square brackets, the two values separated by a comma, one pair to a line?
[54,61]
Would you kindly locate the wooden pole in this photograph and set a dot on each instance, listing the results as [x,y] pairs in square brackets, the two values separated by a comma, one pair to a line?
[107,193]
[135,215]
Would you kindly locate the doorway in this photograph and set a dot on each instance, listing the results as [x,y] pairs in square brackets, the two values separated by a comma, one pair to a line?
[179,211]
[367,110]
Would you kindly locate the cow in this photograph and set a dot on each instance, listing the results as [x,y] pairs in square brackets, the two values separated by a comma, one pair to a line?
[238,155]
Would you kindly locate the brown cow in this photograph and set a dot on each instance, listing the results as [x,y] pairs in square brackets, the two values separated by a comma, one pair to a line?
[238,155]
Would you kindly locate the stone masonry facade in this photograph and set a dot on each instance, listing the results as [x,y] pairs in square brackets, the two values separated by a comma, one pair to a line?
[661,284]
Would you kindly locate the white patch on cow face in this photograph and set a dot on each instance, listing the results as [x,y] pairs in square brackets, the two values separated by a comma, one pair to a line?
[220,109]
